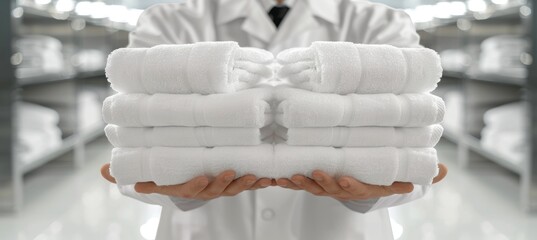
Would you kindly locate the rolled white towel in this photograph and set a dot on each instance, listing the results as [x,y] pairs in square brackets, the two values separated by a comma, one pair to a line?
[204,67]
[301,108]
[184,136]
[344,67]
[248,109]
[378,166]
[362,136]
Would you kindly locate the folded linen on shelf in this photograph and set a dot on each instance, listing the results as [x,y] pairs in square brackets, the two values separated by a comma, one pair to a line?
[362,136]
[301,108]
[185,136]
[378,166]
[344,67]
[204,67]
[249,109]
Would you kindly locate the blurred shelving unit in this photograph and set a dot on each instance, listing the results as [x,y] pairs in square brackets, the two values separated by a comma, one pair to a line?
[83,33]
[459,29]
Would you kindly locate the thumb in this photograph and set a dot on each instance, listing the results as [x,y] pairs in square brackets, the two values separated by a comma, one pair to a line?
[442,172]
[105,172]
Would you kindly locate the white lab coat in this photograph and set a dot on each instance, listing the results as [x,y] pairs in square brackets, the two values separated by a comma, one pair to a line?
[274,213]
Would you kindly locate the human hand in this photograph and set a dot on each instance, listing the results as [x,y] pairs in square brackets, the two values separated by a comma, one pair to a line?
[201,188]
[348,188]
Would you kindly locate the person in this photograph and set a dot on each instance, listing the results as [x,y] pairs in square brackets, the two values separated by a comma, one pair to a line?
[322,207]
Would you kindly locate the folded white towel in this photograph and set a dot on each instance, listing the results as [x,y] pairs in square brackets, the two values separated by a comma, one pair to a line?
[184,136]
[378,166]
[344,67]
[248,109]
[362,136]
[204,67]
[300,108]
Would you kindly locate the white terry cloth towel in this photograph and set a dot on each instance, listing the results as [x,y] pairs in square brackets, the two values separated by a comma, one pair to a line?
[301,108]
[249,109]
[378,166]
[344,67]
[169,166]
[185,136]
[362,136]
[204,67]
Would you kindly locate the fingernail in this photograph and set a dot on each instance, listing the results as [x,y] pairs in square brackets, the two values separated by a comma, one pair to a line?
[318,178]
[299,183]
[249,182]
[228,178]
[283,184]
[344,183]
[265,184]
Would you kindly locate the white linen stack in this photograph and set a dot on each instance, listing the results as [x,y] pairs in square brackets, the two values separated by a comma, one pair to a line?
[371,102]
[185,100]
[505,131]
[375,120]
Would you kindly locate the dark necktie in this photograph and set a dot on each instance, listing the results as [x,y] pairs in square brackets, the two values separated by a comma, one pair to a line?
[277,13]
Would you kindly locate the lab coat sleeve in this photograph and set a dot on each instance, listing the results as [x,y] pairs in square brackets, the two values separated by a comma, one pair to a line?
[187,204]
[162,200]
[154,199]
[384,25]
[365,206]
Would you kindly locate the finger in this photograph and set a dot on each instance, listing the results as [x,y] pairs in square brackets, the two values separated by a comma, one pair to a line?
[366,191]
[186,190]
[105,172]
[189,189]
[328,183]
[353,187]
[442,172]
[216,187]
[286,183]
[239,185]
[146,187]
[308,185]
[261,183]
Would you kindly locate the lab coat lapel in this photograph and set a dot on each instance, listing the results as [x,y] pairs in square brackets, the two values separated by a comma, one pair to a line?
[299,20]
[258,23]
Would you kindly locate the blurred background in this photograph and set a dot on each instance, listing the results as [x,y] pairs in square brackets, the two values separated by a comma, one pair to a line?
[52,144]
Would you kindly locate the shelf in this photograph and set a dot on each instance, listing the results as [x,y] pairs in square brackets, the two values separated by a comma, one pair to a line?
[474,144]
[508,12]
[67,145]
[49,78]
[486,77]
[69,16]
[497,78]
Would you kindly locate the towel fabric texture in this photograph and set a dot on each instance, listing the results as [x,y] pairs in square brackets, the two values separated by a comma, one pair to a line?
[204,68]
[344,67]
[378,166]
[248,108]
[301,108]
[185,136]
[362,136]
[355,110]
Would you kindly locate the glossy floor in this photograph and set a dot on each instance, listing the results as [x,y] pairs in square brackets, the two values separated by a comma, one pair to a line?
[64,203]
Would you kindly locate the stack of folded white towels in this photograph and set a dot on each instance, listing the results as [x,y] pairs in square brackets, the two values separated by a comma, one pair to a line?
[366,104]
[200,109]
[506,131]
[37,131]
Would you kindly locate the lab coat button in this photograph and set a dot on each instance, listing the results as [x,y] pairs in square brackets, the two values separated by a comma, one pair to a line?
[267,214]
